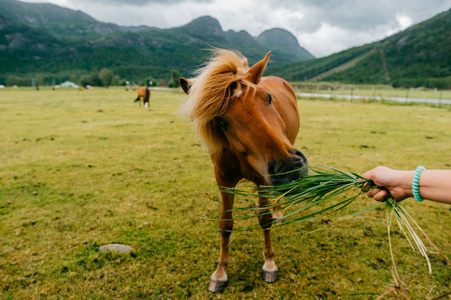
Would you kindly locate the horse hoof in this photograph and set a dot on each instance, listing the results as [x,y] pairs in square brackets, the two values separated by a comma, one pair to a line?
[269,276]
[217,286]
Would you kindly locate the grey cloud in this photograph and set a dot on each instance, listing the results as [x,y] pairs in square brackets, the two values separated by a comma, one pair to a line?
[360,14]
[307,24]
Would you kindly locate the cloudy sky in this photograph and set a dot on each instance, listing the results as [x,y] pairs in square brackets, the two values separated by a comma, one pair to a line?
[322,27]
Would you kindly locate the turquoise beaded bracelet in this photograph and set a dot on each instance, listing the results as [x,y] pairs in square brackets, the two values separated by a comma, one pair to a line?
[416,180]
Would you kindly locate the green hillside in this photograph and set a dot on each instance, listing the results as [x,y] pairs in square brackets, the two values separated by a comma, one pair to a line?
[55,44]
[305,70]
[417,56]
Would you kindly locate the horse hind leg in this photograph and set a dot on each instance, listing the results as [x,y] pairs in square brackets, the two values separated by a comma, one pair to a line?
[269,270]
[146,98]
[277,216]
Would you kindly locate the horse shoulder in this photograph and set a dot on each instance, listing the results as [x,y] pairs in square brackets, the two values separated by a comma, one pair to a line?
[227,166]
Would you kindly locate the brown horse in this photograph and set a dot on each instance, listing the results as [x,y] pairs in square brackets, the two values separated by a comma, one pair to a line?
[143,92]
[249,125]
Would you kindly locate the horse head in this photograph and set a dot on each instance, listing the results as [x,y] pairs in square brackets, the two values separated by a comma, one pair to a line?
[252,117]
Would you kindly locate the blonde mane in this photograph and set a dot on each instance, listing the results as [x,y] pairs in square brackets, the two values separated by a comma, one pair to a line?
[211,92]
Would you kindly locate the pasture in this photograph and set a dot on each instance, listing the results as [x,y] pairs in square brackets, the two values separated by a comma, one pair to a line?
[371,91]
[80,169]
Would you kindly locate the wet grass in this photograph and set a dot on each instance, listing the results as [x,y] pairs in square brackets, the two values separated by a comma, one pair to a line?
[85,168]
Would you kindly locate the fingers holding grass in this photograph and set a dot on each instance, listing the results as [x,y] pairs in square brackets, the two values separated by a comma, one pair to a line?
[378,194]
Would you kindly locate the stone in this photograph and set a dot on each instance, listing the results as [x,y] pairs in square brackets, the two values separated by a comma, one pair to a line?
[116,248]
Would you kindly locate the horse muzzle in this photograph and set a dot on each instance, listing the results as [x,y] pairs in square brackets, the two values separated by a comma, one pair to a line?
[289,168]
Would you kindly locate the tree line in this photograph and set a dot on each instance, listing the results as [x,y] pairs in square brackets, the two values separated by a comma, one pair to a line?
[105,77]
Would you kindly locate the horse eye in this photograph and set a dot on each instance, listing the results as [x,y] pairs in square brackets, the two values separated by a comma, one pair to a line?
[269,99]
[223,124]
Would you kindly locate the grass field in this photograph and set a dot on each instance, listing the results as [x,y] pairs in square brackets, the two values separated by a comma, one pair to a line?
[80,169]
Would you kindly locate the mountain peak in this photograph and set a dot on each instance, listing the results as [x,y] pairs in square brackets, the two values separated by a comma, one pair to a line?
[204,26]
[283,41]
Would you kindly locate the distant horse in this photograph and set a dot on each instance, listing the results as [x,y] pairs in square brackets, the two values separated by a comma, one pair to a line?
[249,125]
[144,93]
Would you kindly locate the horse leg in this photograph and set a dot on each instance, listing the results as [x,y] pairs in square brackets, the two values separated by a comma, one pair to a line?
[219,278]
[270,270]
[146,98]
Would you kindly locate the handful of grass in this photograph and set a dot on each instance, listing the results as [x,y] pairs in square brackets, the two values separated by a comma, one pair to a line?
[319,187]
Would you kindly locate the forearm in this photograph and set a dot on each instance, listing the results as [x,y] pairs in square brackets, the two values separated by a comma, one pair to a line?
[435,185]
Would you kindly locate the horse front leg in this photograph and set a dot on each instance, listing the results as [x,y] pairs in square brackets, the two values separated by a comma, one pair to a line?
[270,270]
[219,278]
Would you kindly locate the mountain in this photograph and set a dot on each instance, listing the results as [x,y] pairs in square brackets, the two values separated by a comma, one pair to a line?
[204,28]
[283,41]
[55,43]
[54,18]
[417,56]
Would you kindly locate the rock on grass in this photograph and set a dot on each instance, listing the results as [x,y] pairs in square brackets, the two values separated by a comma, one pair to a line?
[116,248]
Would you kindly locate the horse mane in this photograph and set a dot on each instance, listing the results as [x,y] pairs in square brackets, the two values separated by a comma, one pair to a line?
[212,91]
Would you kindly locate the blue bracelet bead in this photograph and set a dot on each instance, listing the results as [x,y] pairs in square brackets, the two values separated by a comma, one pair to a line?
[415,184]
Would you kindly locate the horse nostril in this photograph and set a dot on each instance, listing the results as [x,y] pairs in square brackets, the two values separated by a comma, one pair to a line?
[298,153]
[286,170]
[289,168]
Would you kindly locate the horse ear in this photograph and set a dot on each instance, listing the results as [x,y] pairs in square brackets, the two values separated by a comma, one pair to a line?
[231,89]
[255,73]
[184,83]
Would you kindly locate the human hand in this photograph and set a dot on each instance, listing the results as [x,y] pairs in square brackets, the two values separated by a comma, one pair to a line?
[397,183]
